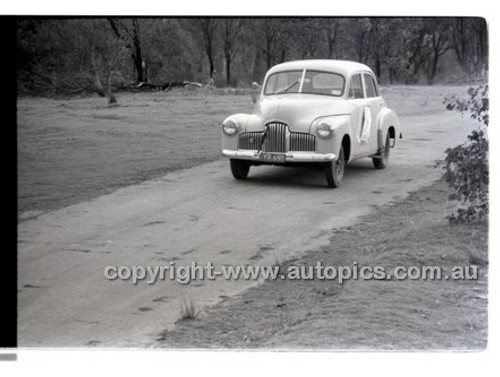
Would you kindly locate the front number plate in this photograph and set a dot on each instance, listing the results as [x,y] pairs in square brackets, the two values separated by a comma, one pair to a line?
[275,158]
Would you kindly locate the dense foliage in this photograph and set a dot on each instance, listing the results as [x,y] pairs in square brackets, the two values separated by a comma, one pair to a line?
[95,54]
[466,165]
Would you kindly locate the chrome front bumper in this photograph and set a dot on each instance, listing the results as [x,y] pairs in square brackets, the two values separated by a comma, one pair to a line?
[289,156]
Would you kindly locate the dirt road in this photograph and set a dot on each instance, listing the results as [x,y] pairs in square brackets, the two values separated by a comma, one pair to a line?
[199,214]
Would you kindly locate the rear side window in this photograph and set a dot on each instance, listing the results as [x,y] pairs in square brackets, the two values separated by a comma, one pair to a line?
[371,87]
[356,87]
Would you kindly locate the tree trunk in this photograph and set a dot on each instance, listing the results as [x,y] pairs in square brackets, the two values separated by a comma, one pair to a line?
[211,65]
[207,28]
[228,71]
[459,43]
[269,56]
[131,37]
[138,68]
[391,75]
[111,96]
[257,68]
[378,68]
[413,70]
[283,55]
[97,80]
[137,54]
[331,36]
[432,68]
[481,48]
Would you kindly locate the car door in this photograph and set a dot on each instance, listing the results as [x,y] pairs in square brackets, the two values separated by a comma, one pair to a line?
[361,117]
[374,103]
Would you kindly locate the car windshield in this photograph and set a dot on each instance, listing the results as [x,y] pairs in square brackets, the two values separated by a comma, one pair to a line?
[314,82]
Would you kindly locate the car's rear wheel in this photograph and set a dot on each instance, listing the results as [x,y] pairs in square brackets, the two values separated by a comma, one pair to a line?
[334,171]
[380,162]
[239,168]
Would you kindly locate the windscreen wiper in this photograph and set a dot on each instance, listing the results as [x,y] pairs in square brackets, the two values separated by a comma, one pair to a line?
[288,87]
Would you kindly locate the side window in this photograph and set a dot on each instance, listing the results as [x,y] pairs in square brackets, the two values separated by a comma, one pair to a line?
[356,87]
[371,87]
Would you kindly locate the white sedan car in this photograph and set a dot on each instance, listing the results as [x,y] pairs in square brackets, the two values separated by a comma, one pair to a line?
[315,113]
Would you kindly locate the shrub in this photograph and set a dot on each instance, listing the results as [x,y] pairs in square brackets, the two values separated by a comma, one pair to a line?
[466,165]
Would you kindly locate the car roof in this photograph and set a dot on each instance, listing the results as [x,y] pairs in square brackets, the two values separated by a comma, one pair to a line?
[344,67]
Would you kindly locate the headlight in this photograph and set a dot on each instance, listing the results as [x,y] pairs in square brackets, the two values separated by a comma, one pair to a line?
[324,130]
[230,127]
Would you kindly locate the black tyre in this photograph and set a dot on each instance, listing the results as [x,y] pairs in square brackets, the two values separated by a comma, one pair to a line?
[381,162]
[240,168]
[334,171]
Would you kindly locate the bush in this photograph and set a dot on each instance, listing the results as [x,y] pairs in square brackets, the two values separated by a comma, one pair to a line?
[466,165]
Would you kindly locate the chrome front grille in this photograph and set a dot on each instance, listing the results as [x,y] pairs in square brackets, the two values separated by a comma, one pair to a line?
[250,140]
[278,139]
[275,137]
[302,142]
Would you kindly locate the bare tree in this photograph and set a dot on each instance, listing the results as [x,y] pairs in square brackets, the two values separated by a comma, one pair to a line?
[208,28]
[95,70]
[413,49]
[230,29]
[383,42]
[106,56]
[77,55]
[129,31]
[461,42]
[469,42]
[363,39]
[481,53]
[437,44]
[330,29]
[267,33]
[306,34]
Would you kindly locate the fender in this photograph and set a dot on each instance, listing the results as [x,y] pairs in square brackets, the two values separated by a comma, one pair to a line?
[231,142]
[385,119]
[341,126]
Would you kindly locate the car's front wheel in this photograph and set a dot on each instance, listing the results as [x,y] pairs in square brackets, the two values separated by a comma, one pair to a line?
[334,171]
[380,162]
[239,168]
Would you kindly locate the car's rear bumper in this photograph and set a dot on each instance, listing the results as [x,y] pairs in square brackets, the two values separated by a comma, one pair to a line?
[289,156]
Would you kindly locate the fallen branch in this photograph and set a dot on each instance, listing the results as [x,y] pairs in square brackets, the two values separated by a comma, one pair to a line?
[166,86]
